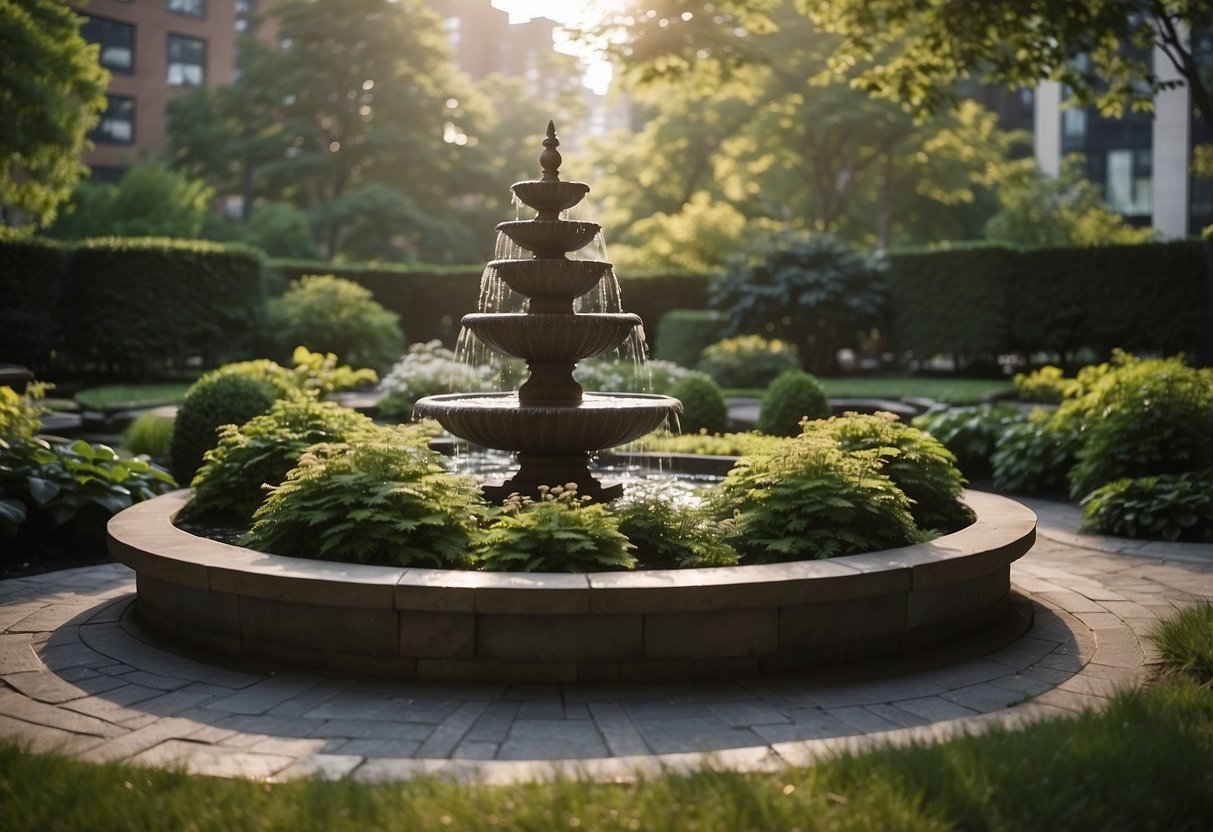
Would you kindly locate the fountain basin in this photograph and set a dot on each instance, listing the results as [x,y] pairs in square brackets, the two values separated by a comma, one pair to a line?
[498,420]
[541,338]
[557,628]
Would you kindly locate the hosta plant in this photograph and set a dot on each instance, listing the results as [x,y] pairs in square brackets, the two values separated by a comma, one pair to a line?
[1163,507]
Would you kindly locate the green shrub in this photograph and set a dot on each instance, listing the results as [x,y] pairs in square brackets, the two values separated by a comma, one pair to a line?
[683,334]
[73,488]
[807,498]
[264,449]
[1047,385]
[378,498]
[331,314]
[560,532]
[814,291]
[792,397]
[747,361]
[671,532]
[20,413]
[218,398]
[1185,642]
[150,433]
[1163,507]
[972,432]
[703,404]
[1145,418]
[916,462]
[1035,454]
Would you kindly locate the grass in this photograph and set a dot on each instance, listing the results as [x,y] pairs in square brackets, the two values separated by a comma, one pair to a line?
[1185,642]
[944,389]
[1146,762]
[132,396]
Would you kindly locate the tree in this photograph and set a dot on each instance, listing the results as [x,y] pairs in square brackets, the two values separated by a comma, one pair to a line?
[914,52]
[52,90]
[360,93]
[743,123]
[1065,211]
[151,200]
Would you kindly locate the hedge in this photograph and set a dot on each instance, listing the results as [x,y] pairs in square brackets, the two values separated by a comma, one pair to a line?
[980,302]
[129,306]
[431,302]
[31,277]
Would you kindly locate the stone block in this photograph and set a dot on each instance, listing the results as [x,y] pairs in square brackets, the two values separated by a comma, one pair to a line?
[199,609]
[804,626]
[474,670]
[559,638]
[321,628]
[742,632]
[437,635]
[439,590]
[306,581]
[943,603]
[533,594]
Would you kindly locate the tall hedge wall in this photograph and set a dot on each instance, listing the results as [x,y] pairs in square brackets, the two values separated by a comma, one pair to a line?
[432,302]
[979,302]
[129,306]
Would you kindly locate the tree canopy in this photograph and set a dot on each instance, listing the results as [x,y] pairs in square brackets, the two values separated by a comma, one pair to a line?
[51,92]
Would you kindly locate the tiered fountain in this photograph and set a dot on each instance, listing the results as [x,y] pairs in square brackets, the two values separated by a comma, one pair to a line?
[550,421]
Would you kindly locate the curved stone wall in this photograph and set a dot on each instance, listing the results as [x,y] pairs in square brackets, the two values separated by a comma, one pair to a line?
[600,627]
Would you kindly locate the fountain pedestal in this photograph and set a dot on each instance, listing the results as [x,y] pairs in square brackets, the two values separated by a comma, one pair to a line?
[551,423]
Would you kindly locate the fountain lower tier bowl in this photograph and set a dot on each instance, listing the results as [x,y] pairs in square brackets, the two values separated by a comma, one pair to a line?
[552,338]
[601,627]
[500,421]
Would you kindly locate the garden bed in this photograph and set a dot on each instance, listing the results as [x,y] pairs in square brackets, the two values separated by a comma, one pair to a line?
[598,627]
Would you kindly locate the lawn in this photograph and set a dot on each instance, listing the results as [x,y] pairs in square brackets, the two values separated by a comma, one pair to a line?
[131,396]
[941,388]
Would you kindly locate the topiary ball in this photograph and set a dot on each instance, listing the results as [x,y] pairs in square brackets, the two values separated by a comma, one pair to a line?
[703,404]
[793,396]
[214,400]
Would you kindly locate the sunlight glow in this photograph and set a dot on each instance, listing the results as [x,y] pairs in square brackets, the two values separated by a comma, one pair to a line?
[573,13]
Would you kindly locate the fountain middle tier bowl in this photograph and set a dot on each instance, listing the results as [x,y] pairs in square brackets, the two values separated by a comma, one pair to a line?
[550,238]
[498,420]
[553,278]
[553,338]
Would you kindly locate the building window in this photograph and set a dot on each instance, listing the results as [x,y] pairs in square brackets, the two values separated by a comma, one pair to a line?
[117,42]
[1129,184]
[117,124]
[245,10]
[189,8]
[186,61]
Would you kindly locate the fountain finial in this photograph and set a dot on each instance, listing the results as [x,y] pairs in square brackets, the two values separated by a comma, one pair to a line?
[550,159]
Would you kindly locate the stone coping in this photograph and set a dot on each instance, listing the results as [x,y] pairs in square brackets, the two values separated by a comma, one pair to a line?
[144,538]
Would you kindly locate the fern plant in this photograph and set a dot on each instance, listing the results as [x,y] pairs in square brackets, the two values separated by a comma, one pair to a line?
[809,499]
[258,454]
[378,497]
[671,531]
[560,532]
[918,463]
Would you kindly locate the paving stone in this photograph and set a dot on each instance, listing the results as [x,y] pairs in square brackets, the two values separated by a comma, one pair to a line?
[380,709]
[807,724]
[45,739]
[28,710]
[264,696]
[381,748]
[494,722]
[745,714]
[899,717]
[452,730]
[359,729]
[934,708]
[276,726]
[983,697]
[153,680]
[17,654]
[128,745]
[212,760]
[476,750]
[617,730]
[44,686]
[862,719]
[550,739]
[288,746]
[541,709]
[1022,684]
[885,690]
[324,766]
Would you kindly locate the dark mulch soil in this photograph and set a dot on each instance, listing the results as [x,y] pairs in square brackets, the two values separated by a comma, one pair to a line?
[23,558]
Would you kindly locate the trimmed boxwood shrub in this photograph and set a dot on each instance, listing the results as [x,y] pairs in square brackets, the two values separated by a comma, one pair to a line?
[703,404]
[137,305]
[791,398]
[747,360]
[219,398]
[332,314]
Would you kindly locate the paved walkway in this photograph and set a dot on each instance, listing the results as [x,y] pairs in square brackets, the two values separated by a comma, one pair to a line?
[80,676]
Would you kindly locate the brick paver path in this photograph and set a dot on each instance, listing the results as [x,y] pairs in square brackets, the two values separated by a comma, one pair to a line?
[80,676]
